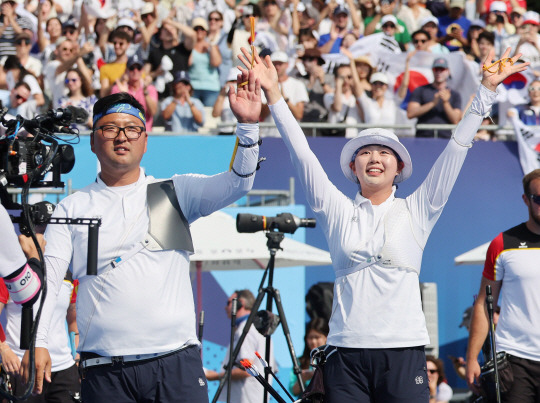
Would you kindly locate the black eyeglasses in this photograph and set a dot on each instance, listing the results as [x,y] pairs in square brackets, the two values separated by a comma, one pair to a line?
[535,198]
[415,41]
[70,31]
[131,132]
[432,371]
[23,42]
[388,25]
[134,67]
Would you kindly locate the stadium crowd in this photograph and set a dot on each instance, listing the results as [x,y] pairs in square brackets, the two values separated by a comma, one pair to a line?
[341,61]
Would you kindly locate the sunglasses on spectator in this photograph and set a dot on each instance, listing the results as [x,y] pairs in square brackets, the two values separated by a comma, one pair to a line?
[432,371]
[215,19]
[17,96]
[70,31]
[388,25]
[535,199]
[135,67]
[66,49]
[71,80]
[23,42]
[534,89]
[415,41]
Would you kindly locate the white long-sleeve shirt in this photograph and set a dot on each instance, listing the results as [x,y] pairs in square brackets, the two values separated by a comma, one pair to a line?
[378,306]
[145,305]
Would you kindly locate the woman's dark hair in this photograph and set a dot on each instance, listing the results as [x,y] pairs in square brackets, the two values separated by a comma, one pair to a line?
[86,86]
[339,66]
[120,98]
[488,36]
[12,62]
[319,325]
[440,368]
[420,31]
[216,12]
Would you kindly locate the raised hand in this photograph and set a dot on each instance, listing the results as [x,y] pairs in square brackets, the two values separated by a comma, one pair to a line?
[246,100]
[494,74]
[264,71]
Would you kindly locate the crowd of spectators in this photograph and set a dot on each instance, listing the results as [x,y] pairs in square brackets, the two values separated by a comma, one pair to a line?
[177,57]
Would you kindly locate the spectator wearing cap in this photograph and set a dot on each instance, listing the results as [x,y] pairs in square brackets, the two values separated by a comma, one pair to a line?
[378,109]
[133,83]
[385,17]
[331,42]
[67,54]
[483,6]
[222,107]
[497,22]
[276,22]
[529,40]
[170,46]
[435,103]
[182,112]
[23,44]
[431,26]
[80,94]
[412,12]
[70,30]
[530,113]
[471,50]
[453,27]
[294,93]
[11,24]
[203,62]
[112,71]
[317,83]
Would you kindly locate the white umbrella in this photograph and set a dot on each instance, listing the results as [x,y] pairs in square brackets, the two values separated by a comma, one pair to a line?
[218,246]
[474,256]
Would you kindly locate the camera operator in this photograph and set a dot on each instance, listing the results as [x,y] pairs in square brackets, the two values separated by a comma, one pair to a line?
[136,317]
[23,274]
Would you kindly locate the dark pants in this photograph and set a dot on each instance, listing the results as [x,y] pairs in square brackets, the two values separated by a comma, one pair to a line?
[178,377]
[361,375]
[64,388]
[526,385]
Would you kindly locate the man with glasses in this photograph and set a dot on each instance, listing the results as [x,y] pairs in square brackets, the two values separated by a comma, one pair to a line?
[23,44]
[436,103]
[11,24]
[511,269]
[136,319]
[420,40]
[133,83]
[431,26]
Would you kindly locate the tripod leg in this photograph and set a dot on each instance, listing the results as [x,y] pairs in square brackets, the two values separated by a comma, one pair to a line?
[249,322]
[277,298]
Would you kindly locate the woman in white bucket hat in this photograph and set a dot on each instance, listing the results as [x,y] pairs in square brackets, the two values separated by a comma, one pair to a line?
[376,243]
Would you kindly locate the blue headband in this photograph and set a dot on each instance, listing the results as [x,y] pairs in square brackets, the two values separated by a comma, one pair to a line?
[122,108]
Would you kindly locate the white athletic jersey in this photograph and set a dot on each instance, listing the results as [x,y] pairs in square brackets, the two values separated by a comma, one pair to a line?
[378,306]
[145,304]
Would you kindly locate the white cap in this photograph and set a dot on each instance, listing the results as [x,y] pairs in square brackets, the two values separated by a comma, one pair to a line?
[279,56]
[126,22]
[531,17]
[378,77]
[147,8]
[498,6]
[429,19]
[389,18]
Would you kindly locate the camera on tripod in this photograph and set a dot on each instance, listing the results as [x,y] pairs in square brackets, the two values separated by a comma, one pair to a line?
[284,222]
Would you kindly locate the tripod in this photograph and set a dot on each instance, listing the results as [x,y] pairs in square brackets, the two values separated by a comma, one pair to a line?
[273,244]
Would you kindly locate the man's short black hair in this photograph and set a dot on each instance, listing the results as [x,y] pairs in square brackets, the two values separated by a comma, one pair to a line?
[120,98]
[420,31]
[121,34]
[488,36]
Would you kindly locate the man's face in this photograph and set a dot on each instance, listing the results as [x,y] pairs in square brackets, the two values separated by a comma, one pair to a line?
[389,28]
[455,12]
[8,7]
[215,22]
[134,73]
[228,307]
[19,96]
[120,46]
[281,68]
[168,33]
[341,20]
[431,28]
[420,42]
[65,50]
[119,155]
[23,46]
[534,207]
[440,74]
[71,33]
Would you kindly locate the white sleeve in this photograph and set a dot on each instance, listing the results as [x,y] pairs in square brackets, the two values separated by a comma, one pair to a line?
[201,195]
[427,202]
[320,192]
[56,270]
[11,254]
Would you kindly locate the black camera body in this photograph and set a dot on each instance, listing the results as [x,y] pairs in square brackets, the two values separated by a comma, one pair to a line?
[284,222]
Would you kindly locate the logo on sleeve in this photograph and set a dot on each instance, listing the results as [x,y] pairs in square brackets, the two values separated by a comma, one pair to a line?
[419,380]
[523,245]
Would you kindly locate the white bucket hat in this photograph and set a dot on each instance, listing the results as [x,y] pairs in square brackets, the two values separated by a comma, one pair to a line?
[376,136]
